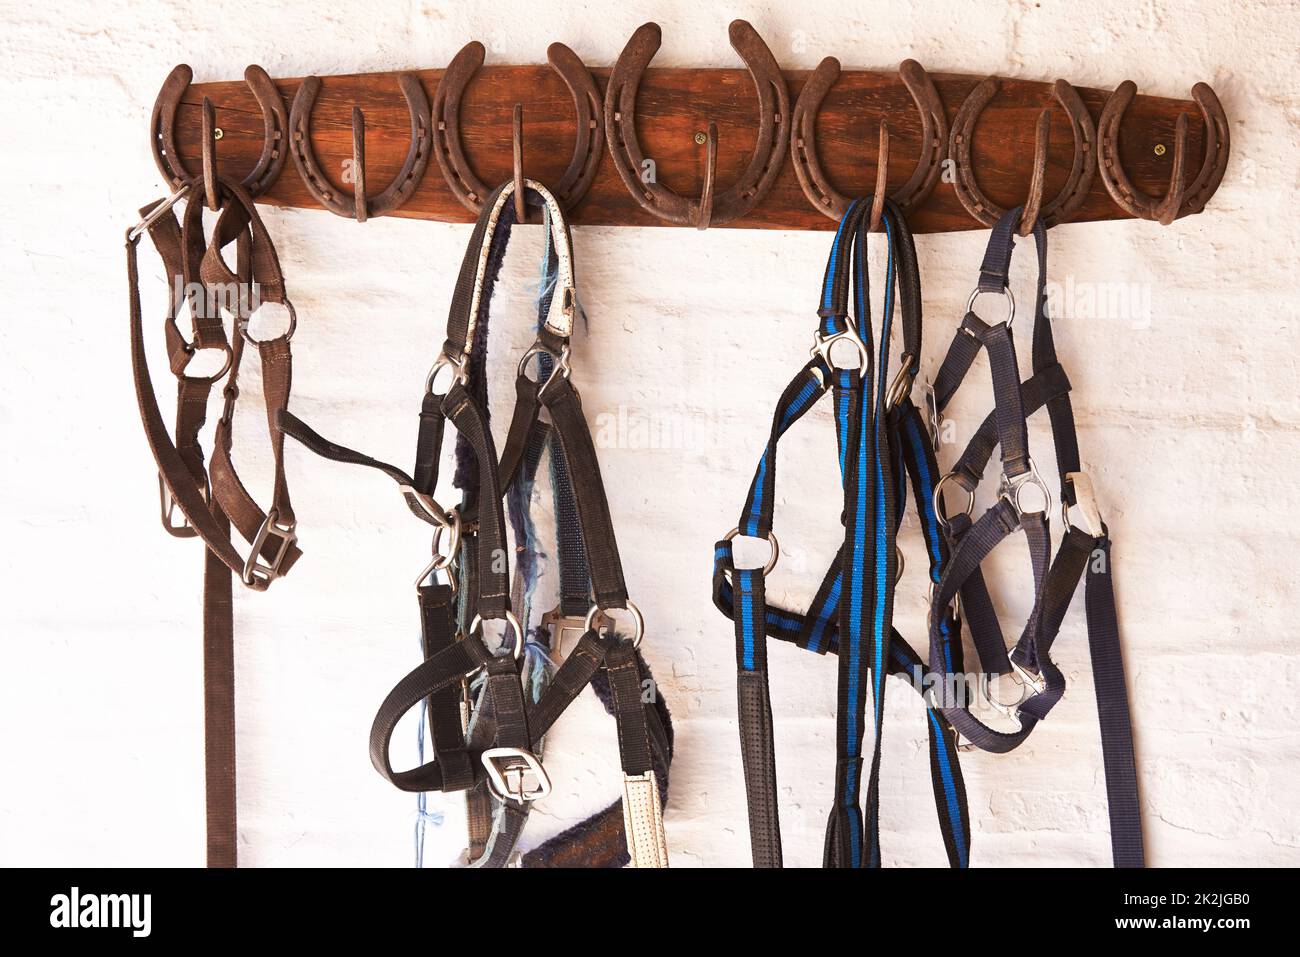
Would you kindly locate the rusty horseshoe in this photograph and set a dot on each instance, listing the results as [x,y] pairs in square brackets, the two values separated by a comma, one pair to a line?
[803,142]
[1083,166]
[449,150]
[358,206]
[769,150]
[162,126]
[1179,200]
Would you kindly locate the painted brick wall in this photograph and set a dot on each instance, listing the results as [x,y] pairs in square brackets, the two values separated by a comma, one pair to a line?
[1187,408]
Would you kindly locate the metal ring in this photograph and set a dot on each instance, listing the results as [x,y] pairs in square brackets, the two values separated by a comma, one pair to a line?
[1011,303]
[938,499]
[444,360]
[286,336]
[771,540]
[513,622]
[638,621]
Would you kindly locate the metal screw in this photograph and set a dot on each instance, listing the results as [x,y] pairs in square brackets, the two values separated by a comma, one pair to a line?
[1160,149]
[701,138]
[218,133]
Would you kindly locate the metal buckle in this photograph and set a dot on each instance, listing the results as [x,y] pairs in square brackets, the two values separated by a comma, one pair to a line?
[508,772]
[1023,678]
[167,509]
[638,622]
[433,513]
[822,346]
[444,361]
[157,213]
[1012,488]
[443,561]
[558,625]
[1086,501]
[902,384]
[561,368]
[258,574]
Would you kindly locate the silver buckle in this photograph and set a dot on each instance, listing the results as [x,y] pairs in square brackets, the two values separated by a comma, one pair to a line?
[559,625]
[1011,489]
[509,770]
[822,346]
[259,574]
[167,509]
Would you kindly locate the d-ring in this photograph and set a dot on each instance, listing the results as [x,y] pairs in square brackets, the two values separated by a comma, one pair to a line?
[939,512]
[1011,303]
[769,148]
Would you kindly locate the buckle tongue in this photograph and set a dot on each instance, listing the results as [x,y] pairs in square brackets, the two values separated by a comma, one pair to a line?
[516,775]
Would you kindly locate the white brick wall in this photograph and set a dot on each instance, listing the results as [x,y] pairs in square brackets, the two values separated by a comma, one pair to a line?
[1189,423]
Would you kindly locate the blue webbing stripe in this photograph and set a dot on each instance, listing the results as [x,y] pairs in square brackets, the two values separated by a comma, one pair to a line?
[746,578]
[949,788]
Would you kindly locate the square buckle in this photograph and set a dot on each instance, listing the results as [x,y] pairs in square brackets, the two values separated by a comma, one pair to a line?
[258,574]
[509,770]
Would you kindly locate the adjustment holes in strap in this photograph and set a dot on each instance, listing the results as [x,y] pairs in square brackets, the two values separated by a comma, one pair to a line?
[602,619]
[512,623]
[774,548]
[940,512]
[1011,304]
[269,315]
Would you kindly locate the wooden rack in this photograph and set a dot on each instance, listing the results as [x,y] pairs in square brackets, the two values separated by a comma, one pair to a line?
[428,143]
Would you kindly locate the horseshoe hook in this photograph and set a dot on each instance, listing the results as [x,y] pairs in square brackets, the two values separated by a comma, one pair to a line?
[803,143]
[769,150]
[358,206]
[1083,166]
[1180,199]
[162,125]
[450,152]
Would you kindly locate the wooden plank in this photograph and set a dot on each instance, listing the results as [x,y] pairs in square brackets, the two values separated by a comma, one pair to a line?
[672,106]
